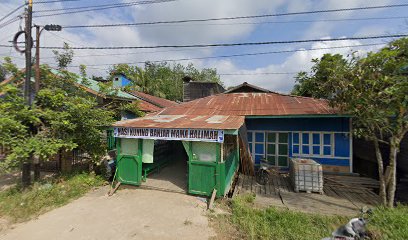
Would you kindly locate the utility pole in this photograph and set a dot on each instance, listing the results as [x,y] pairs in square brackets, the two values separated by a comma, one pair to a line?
[37,58]
[26,173]
[36,160]
[28,45]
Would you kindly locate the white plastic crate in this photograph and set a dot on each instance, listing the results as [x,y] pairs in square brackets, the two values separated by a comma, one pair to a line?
[306,175]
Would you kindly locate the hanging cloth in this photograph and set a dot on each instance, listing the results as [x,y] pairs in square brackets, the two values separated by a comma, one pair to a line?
[148,149]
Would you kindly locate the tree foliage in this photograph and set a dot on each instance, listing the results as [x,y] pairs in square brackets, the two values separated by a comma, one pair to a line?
[163,79]
[65,57]
[374,90]
[315,83]
[62,117]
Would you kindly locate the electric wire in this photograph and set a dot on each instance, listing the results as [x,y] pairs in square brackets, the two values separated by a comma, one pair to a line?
[95,6]
[242,23]
[10,21]
[10,13]
[239,17]
[234,44]
[104,8]
[58,1]
[261,73]
[241,55]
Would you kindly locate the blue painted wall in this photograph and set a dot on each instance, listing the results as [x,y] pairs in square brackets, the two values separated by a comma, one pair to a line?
[299,124]
[338,128]
[121,82]
[124,80]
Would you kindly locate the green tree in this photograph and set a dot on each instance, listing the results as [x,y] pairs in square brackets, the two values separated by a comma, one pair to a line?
[374,90]
[65,57]
[3,73]
[62,117]
[315,83]
[163,79]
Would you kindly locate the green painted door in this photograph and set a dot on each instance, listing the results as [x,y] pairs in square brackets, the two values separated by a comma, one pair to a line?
[129,170]
[201,177]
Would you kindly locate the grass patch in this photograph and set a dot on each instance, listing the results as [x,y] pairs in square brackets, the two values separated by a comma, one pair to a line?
[389,223]
[274,223]
[19,205]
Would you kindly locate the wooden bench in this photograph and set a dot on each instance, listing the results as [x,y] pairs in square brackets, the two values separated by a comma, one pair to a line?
[148,168]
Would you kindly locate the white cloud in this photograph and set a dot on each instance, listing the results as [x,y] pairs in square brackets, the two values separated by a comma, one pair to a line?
[298,61]
[190,33]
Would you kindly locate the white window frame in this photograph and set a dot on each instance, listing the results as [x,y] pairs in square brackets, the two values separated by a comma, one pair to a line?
[311,144]
[265,142]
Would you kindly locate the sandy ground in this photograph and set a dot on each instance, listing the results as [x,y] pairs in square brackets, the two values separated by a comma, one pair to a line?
[129,214]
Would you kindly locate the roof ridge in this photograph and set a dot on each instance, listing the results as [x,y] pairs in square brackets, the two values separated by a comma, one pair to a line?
[135,93]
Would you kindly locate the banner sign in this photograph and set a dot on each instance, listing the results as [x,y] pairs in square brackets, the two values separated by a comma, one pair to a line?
[202,135]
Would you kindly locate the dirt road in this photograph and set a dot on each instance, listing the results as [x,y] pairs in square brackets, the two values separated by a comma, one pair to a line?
[129,214]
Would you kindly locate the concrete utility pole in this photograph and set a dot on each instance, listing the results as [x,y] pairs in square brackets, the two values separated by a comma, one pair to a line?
[36,160]
[28,45]
[26,173]
[37,58]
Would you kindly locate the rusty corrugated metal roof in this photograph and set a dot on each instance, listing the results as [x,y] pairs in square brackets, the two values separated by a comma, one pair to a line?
[252,104]
[147,107]
[158,101]
[228,111]
[184,121]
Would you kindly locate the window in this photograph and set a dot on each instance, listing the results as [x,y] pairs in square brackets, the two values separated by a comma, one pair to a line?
[204,151]
[273,146]
[129,146]
[305,143]
[327,144]
[259,146]
[250,141]
[312,143]
[296,143]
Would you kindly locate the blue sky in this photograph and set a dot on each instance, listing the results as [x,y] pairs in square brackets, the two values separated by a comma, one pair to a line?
[254,69]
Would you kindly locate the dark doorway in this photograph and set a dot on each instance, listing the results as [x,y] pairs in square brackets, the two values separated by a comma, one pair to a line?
[172,172]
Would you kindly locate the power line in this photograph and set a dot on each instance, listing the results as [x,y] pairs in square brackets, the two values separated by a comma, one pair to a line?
[239,17]
[241,55]
[10,13]
[234,55]
[235,44]
[130,53]
[243,23]
[10,21]
[261,73]
[57,1]
[226,74]
[225,56]
[94,6]
[106,7]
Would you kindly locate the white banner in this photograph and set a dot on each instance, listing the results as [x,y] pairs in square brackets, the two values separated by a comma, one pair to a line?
[202,135]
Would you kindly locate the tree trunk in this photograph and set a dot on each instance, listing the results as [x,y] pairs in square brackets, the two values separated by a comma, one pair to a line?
[383,193]
[26,175]
[392,180]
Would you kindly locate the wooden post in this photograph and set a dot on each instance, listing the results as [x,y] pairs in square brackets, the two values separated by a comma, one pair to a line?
[214,193]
